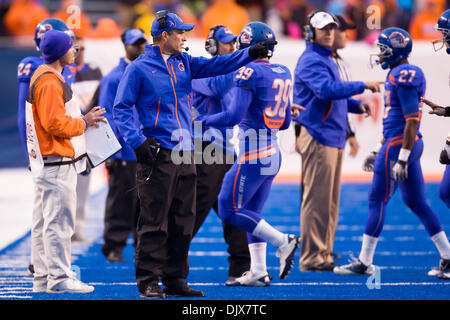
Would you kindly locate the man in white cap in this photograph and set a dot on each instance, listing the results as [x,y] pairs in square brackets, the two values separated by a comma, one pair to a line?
[327,100]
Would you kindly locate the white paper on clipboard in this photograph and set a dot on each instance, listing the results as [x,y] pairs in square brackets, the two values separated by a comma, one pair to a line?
[101,143]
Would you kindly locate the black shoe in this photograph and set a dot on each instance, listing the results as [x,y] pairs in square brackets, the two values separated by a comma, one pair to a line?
[335,255]
[326,266]
[31,268]
[153,290]
[115,256]
[179,288]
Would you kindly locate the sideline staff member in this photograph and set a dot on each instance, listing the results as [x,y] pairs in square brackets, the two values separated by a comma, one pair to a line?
[158,84]
[121,209]
[327,99]
[52,120]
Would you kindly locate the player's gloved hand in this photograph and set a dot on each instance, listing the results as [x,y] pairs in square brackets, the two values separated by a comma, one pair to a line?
[365,108]
[146,152]
[261,50]
[369,161]
[400,170]
[445,154]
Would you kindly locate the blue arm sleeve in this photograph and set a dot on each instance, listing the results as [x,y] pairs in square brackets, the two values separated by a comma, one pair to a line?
[21,121]
[409,100]
[108,89]
[126,97]
[317,77]
[202,86]
[287,119]
[353,105]
[202,67]
[238,108]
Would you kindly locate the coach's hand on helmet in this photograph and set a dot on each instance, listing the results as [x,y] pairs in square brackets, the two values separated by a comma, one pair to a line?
[261,50]
[146,152]
[373,86]
[94,116]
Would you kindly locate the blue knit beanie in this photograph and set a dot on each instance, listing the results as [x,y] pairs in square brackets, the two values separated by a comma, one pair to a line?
[54,45]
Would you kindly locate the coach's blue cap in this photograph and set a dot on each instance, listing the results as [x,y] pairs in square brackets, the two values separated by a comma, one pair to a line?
[225,35]
[173,22]
[132,35]
[54,45]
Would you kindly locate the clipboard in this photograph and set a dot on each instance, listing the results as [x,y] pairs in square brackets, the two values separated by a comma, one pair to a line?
[101,143]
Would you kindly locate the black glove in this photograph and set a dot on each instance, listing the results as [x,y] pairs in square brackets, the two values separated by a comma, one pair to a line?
[260,50]
[146,152]
[444,158]
[365,109]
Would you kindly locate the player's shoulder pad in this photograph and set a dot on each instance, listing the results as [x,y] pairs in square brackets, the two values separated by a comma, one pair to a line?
[26,68]
[280,69]
[246,76]
[407,75]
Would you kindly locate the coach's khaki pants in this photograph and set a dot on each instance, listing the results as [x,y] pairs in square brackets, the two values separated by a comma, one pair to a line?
[53,223]
[321,171]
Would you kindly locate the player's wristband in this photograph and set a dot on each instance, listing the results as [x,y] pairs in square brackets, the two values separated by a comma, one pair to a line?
[84,123]
[404,154]
[378,147]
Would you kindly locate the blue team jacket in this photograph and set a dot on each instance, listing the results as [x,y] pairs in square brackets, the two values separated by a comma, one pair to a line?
[108,89]
[327,99]
[161,93]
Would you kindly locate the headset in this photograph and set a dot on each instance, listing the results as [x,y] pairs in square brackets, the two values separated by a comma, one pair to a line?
[161,16]
[309,32]
[211,45]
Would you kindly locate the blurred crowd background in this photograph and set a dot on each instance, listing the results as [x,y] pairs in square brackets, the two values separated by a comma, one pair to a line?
[107,18]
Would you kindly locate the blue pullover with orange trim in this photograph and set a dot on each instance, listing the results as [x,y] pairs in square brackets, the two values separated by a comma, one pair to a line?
[161,93]
[327,99]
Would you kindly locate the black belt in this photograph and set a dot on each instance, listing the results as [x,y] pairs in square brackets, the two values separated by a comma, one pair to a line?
[60,163]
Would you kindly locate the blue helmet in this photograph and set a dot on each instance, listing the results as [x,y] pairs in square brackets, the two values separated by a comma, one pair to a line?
[443,26]
[395,44]
[253,33]
[49,24]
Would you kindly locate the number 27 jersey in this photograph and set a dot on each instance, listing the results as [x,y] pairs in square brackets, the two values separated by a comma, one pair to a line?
[395,116]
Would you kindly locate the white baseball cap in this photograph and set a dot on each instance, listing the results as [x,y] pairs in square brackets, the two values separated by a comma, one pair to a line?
[322,19]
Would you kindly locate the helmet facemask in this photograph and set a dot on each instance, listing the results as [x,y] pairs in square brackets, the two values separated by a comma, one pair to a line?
[438,44]
[378,58]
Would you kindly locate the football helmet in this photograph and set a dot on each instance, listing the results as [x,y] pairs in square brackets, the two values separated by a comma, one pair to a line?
[443,26]
[253,33]
[49,24]
[395,44]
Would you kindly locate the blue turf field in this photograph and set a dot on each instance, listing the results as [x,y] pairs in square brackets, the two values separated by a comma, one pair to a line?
[404,255]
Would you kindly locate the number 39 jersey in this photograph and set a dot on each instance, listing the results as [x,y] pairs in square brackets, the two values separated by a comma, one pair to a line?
[395,114]
[271,86]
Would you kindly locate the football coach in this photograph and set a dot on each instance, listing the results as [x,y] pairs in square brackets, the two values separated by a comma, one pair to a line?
[158,85]
[327,100]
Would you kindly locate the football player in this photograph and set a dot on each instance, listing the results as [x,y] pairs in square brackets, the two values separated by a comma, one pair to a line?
[396,160]
[261,106]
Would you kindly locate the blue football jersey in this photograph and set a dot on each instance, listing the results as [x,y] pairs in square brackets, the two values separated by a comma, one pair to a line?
[26,68]
[271,86]
[395,115]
